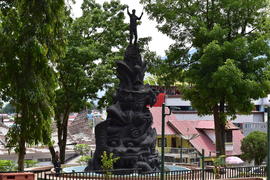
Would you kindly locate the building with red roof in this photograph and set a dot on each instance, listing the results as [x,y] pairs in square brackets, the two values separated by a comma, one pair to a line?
[183,110]
[194,134]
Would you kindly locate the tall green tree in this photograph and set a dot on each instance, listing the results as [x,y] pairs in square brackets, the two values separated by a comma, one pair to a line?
[229,66]
[31,41]
[95,41]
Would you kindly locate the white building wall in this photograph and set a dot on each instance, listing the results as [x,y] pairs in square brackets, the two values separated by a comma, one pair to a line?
[228,146]
[239,118]
[243,118]
[176,101]
[258,117]
[192,116]
[262,101]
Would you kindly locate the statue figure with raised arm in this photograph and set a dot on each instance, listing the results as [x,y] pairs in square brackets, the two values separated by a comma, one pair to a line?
[133,25]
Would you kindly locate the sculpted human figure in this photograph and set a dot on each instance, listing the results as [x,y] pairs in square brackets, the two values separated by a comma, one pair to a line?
[133,25]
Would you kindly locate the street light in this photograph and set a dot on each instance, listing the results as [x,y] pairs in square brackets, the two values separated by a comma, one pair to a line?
[266,104]
[268,143]
[163,138]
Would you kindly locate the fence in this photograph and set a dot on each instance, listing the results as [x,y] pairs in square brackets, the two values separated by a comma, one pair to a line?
[40,174]
[182,155]
[207,174]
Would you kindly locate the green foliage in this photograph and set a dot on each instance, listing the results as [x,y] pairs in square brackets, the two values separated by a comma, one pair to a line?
[107,161]
[30,163]
[90,105]
[84,159]
[82,149]
[7,165]
[89,62]
[218,162]
[254,147]
[151,80]
[31,41]
[94,42]
[229,62]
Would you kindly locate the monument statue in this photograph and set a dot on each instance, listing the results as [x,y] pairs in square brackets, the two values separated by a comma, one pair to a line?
[127,131]
[133,25]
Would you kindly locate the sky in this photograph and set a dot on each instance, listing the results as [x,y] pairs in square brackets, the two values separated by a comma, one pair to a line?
[159,43]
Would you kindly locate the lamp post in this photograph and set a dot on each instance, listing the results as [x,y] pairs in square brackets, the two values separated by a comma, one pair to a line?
[268,143]
[163,139]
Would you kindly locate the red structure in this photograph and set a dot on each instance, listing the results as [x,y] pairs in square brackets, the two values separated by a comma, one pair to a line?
[160,100]
[17,176]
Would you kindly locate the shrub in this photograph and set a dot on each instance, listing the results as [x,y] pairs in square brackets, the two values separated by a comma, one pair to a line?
[107,162]
[82,149]
[84,159]
[254,147]
[7,165]
[30,163]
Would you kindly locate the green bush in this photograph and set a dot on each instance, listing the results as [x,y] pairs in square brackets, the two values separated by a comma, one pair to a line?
[7,165]
[107,162]
[254,147]
[219,162]
[82,149]
[84,159]
[30,163]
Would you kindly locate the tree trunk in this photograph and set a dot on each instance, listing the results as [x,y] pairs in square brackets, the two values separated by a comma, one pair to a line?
[62,134]
[52,151]
[219,129]
[21,154]
[62,148]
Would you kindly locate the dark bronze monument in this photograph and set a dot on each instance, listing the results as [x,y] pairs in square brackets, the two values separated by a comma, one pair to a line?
[127,131]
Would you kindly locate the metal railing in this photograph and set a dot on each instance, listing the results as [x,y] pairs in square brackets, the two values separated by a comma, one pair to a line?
[172,150]
[197,174]
[40,174]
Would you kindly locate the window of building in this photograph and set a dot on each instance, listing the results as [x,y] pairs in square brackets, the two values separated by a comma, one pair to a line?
[257,107]
[228,136]
[159,142]
[182,108]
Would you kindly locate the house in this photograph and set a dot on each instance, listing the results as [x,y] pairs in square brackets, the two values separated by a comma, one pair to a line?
[183,110]
[255,121]
[38,153]
[185,139]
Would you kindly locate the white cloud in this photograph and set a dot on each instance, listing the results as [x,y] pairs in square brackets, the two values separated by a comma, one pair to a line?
[159,43]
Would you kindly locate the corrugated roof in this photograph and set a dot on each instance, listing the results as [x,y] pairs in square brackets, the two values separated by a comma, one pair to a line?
[157,118]
[201,140]
[209,124]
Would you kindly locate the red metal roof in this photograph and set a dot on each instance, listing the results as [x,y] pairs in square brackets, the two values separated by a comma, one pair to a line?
[157,117]
[196,127]
[202,141]
[209,124]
